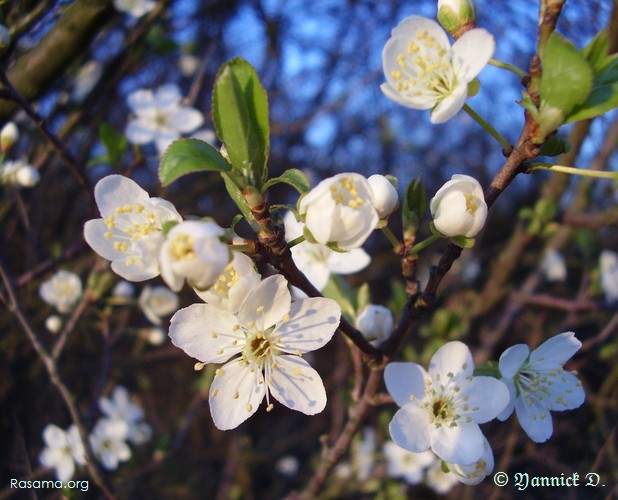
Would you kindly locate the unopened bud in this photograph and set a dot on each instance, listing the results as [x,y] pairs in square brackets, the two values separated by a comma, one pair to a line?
[53,323]
[375,322]
[457,16]
[385,197]
[8,136]
[27,176]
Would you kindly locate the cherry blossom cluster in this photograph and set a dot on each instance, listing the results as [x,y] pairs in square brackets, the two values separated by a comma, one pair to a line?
[18,173]
[122,423]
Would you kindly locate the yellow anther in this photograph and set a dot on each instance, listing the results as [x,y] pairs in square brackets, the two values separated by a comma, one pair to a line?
[249,407]
[236,395]
[270,407]
[219,372]
[199,366]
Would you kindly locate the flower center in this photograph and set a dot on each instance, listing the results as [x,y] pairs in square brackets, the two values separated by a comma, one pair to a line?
[345,192]
[226,281]
[181,247]
[472,203]
[426,69]
[131,222]
[260,346]
[160,119]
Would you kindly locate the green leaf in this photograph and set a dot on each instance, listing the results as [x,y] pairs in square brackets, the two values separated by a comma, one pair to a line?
[293,177]
[363,298]
[554,146]
[567,77]
[604,95]
[595,52]
[414,203]
[239,199]
[339,290]
[240,115]
[114,142]
[186,156]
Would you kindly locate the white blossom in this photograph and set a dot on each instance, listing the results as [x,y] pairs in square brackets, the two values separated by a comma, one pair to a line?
[19,173]
[375,322]
[123,289]
[62,291]
[157,302]
[8,136]
[316,261]
[423,71]
[406,464]
[233,285]
[553,266]
[193,251]
[608,264]
[160,117]
[340,210]
[130,233]
[85,80]
[135,8]
[385,197]
[459,208]
[538,383]
[287,466]
[155,335]
[108,442]
[120,407]
[63,450]
[439,481]
[441,409]
[265,341]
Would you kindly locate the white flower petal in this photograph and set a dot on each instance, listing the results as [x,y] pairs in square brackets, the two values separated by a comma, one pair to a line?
[489,395]
[267,304]
[347,263]
[411,429]
[192,328]
[452,357]
[567,393]
[296,385]
[405,381]
[535,419]
[413,102]
[472,51]
[555,351]
[461,444]
[140,99]
[235,394]
[508,409]
[140,131]
[185,119]
[133,271]
[167,97]
[412,25]
[512,360]
[450,105]
[116,190]
[311,324]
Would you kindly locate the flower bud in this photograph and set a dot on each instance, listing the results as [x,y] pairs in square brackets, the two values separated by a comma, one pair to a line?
[375,322]
[8,136]
[53,323]
[123,289]
[385,198]
[459,207]
[457,16]
[340,210]
[157,302]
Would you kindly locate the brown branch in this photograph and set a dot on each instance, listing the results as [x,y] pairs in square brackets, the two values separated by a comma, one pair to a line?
[15,307]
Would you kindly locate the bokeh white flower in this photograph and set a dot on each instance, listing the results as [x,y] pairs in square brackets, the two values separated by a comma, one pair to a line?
[193,251]
[608,267]
[553,266]
[85,80]
[63,451]
[375,322]
[441,409]
[385,197]
[438,480]
[156,302]
[459,208]
[317,261]
[108,442]
[19,173]
[410,466]
[423,71]
[53,323]
[160,117]
[340,210]
[120,406]
[262,346]
[233,285]
[135,8]
[538,383]
[62,291]
[130,233]
[123,289]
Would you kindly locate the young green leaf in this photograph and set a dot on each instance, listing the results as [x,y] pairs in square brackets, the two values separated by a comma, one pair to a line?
[240,115]
[239,199]
[185,156]
[414,203]
[115,143]
[604,95]
[567,77]
[293,177]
